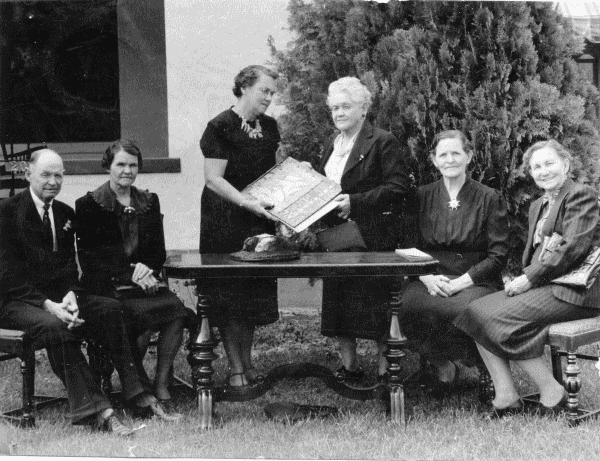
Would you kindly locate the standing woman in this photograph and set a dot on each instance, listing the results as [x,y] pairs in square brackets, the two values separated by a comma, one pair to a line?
[239,146]
[369,164]
[464,225]
[512,325]
[121,243]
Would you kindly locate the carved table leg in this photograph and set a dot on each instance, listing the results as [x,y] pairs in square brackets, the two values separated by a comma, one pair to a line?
[395,352]
[200,359]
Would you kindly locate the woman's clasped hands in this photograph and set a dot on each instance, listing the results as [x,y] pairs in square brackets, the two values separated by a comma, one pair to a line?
[143,276]
[518,285]
[440,285]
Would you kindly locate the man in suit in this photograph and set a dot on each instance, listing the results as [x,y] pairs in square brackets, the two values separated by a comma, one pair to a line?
[40,294]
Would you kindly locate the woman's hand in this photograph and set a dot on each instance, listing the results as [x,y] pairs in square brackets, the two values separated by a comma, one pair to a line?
[437,285]
[259,208]
[149,284]
[141,271]
[343,205]
[459,284]
[519,285]
[306,165]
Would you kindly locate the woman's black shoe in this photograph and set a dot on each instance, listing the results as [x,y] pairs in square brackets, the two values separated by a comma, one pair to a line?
[343,374]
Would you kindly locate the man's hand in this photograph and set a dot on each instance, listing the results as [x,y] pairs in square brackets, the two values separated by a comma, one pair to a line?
[70,300]
[343,205]
[60,311]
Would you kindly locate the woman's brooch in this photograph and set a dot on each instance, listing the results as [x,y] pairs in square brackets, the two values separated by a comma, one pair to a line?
[128,210]
[67,225]
[453,204]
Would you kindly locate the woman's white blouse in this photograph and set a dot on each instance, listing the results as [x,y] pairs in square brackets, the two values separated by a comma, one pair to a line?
[334,169]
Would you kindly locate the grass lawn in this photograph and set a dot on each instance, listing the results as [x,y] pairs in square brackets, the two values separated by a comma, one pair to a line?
[452,429]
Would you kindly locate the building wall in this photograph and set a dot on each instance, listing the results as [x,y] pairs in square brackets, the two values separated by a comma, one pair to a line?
[207,43]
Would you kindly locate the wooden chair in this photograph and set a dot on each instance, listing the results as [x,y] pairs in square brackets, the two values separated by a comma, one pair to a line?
[564,340]
[16,344]
[13,171]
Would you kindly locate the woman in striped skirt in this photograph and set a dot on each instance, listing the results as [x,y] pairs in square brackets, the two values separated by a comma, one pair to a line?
[512,325]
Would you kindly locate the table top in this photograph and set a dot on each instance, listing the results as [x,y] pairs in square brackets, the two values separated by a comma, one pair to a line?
[194,265]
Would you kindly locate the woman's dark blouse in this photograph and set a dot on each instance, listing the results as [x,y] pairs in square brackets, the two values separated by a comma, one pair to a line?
[472,238]
[225,225]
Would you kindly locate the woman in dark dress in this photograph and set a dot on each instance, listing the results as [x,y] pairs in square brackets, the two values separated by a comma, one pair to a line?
[512,325]
[120,242]
[239,146]
[464,225]
[369,164]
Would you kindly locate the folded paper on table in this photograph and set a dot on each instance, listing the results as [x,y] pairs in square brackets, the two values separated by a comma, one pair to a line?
[413,254]
[582,276]
[300,195]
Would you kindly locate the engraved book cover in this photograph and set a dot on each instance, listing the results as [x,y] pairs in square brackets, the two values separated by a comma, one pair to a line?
[300,195]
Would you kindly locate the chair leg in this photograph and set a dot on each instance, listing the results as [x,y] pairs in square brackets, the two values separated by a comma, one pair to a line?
[28,375]
[572,386]
[556,364]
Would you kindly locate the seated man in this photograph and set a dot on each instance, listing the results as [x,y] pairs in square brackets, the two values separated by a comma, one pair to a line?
[39,294]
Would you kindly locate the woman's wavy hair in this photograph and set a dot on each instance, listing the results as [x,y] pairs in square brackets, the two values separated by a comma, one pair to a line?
[354,88]
[248,77]
[121,145]
[452,134]
[553,144]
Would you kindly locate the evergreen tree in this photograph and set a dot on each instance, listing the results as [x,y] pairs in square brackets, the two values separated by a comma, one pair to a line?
[503,72]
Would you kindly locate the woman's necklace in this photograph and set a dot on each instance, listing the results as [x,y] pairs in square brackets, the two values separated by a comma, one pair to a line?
[253,133]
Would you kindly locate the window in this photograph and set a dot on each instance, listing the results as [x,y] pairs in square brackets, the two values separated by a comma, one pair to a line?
[77,74]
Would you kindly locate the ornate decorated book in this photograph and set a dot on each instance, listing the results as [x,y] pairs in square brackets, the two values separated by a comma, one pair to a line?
[300,195]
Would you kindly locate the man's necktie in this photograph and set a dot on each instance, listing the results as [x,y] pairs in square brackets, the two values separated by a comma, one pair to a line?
[47,226]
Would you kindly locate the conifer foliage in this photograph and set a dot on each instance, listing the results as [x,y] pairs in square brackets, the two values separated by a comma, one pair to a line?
[503,72]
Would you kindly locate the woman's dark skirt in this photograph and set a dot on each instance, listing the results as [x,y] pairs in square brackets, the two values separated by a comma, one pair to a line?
[516,328]
[150,312]
[223,229]
[356,307]
[426,321]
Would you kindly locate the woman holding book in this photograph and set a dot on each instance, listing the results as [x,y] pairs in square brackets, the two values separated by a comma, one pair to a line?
[239,146]
[464,225]
[512,325]
[369,165]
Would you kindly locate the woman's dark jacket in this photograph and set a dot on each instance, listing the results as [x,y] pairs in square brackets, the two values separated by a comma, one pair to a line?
[100,247]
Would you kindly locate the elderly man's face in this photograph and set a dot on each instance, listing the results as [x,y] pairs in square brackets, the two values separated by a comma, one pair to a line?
[46,175]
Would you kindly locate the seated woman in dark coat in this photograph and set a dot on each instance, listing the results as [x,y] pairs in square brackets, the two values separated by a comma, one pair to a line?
[512,325]
[121,243]
[464,225]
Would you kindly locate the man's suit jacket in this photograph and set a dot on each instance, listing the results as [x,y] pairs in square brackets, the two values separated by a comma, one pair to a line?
[30,271]
[576,217]
[376,178]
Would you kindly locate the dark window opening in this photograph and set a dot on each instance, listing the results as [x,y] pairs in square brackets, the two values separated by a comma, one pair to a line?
[60,71]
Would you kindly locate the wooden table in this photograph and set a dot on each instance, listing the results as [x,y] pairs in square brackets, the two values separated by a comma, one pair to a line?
[203,266]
